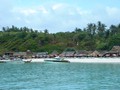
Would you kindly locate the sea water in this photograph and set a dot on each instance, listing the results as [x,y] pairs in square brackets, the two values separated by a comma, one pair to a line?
[59,76]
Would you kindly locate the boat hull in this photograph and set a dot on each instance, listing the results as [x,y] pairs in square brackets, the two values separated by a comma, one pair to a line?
[27,61]
[57,61]
[15,62]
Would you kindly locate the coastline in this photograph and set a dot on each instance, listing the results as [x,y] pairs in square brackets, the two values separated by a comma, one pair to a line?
[77,60]
[85,60]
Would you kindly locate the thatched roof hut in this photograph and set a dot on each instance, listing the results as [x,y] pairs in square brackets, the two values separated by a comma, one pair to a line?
[111,54]
[81,53]
[67,54]
[116,49]
[102,53]
[20,54]
[70,53]
[95,54]
[8,54]
[114,52]
[54,54]
[41,54]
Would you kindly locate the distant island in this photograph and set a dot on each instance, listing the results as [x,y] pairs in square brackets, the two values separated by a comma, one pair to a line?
[93,37]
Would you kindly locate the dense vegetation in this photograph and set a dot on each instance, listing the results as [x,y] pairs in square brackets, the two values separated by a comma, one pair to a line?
[93,37]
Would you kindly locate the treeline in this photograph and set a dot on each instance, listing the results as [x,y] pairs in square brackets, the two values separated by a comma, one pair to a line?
[93,37]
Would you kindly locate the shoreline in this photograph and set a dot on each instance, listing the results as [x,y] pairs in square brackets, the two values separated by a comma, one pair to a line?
[85,60]
[77,60]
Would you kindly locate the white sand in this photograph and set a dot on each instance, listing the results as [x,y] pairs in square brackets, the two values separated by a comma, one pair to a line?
[85,60]
[95,60]
[38,60]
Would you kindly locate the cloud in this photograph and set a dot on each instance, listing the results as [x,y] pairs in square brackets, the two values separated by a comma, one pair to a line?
[57,6]
[58,16]
[113,11]
[43,10]
[83,12]
[55,16]
[24,11]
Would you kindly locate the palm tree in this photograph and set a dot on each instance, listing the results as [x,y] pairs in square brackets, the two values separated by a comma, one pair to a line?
[91,29]
[101,29]
[94,29]
[113,29]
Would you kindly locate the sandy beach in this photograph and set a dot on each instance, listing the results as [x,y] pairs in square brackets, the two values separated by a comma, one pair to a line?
[85,60]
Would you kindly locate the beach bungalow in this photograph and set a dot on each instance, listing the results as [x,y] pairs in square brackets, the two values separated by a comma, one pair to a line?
[34,55]
[102,53]
[114,52]
[116,48]
[95,54]
[41,54]
[81,53]
[62,54]
[28,54]
[69,53]
[8,54]
[111,54]
[53,54]
[20,54]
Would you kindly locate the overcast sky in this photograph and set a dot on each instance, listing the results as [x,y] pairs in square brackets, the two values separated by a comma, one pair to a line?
[58,15]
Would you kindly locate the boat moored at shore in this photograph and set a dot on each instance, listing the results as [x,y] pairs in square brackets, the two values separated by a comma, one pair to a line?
[15,61]
[57,60]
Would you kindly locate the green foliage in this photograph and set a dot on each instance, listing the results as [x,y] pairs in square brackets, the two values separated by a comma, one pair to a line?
[115,40]
[93,37]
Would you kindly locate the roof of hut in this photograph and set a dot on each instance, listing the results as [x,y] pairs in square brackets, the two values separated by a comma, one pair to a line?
[116,48]
[54,52]
[81,52]
[95,53]
[41,53]
[19,53]
[67,53]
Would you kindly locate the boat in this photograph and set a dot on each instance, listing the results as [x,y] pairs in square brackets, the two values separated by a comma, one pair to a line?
[15,61]
[57,60]
[19,60]
[27,60]
[3,61]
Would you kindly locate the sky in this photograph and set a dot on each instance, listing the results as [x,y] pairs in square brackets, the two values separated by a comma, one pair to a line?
[58,15]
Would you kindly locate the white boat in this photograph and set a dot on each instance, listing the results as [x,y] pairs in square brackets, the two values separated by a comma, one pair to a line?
[57,60]
[4,61]
[27,60]
[16,61]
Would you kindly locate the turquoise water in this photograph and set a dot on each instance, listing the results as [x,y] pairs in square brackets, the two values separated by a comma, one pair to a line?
[70,76]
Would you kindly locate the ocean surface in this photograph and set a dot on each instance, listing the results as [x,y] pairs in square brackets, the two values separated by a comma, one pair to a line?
[59,76]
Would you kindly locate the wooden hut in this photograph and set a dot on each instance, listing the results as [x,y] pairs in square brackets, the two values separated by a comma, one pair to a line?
[114,52]
[70,54]
[54,54]
[67,54]
[62,54]
[8,54]
[41,54]
[102,53]
[29,54]
[20,54]
[116,49]
[95,54]
[111,54]
[81,53]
